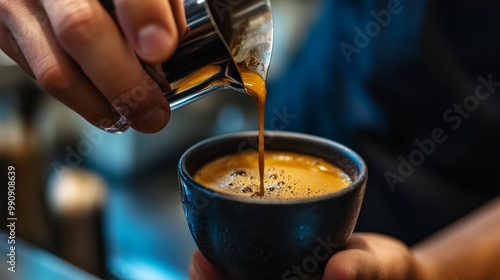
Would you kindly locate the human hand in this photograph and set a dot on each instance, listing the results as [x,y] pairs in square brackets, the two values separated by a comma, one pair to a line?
[92,61]
[373,256]
[367,256]
[201,269]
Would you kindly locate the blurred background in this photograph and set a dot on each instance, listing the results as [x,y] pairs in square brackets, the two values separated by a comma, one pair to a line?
[90,203]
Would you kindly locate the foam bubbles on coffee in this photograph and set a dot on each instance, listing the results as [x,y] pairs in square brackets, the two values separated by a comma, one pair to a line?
[287,176]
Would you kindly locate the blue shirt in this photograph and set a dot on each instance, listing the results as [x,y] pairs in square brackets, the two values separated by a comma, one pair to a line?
[398,82]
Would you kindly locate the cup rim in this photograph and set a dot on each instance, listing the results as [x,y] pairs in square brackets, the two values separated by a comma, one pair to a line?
[357,159]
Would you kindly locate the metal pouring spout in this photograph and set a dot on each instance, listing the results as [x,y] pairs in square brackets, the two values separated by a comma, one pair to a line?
[223,36]
[248,32]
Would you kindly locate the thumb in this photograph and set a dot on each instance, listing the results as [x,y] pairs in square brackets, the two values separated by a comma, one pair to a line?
[371,256]
[201,269]
[351,265]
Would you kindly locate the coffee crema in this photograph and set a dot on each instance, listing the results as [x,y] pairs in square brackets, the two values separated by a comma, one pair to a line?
[288,175]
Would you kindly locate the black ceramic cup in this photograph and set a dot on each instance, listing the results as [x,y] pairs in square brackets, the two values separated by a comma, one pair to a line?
[260,239]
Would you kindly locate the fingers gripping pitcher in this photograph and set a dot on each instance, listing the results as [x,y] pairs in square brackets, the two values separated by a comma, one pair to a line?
[224,37]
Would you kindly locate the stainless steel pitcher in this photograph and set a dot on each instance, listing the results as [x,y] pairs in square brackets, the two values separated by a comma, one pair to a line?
[222,34]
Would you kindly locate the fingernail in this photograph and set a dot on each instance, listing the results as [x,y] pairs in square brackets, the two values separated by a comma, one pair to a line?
[153,40]
[152,122]
[117,128]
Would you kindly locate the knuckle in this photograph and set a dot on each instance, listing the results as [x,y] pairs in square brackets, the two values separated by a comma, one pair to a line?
[9,10]
[79,25]
[52,77]
[6,8]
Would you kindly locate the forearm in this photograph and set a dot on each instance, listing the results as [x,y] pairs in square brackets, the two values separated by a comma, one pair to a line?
[467,249]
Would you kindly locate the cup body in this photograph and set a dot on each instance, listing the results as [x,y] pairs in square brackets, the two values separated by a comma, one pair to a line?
[248,239]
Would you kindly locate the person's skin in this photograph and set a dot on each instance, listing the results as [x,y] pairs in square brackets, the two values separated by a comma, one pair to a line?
[467,249]
[92,61]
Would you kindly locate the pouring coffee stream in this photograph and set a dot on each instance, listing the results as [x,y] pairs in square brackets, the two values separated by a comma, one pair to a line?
[256,87]
[228,46]
[246,31]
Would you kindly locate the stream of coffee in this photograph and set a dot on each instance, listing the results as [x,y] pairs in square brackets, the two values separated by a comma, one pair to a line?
[288,176]
[256,87]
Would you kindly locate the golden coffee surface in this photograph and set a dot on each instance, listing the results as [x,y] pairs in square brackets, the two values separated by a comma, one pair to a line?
[287,176]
